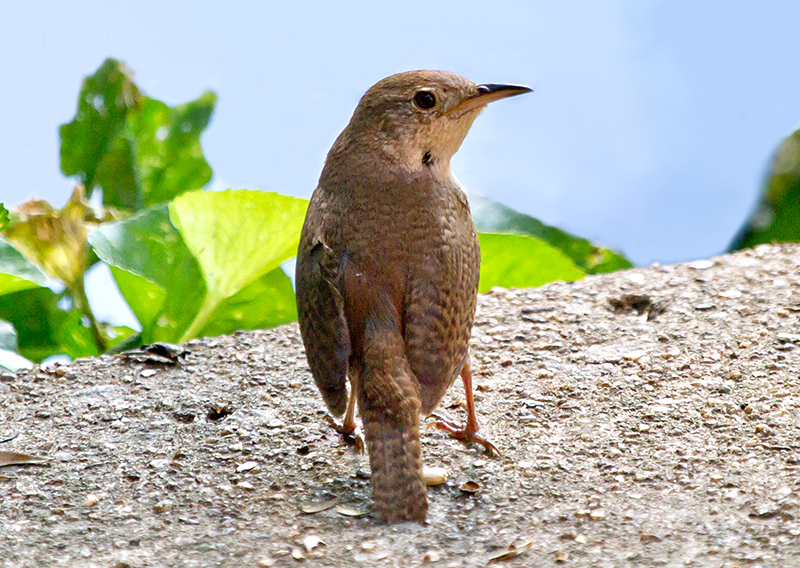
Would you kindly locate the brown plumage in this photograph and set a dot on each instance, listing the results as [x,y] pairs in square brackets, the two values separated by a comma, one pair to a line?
[387,272]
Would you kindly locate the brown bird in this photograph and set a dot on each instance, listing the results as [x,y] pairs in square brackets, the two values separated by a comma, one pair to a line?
[387,273]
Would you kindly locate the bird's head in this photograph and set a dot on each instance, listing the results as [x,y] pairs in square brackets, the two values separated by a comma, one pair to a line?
[420,118]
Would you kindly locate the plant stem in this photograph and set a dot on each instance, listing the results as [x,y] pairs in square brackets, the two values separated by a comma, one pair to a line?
[78,291]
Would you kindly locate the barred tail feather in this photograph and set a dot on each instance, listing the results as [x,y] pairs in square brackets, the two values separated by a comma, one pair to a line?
[394,457]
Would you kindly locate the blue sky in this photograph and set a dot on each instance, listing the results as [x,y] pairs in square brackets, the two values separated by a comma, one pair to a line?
[649,131]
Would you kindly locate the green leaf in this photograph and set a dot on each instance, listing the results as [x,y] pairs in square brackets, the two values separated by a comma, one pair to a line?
[17,272]
[138,149]
[74,337]
[266,302]
[4,220]
[493,217]
[145,298]
[117,334]
[163,284]
[521,261]
[104,102]
[236,237]
[43,328]
[158,156]
[777,216]
[207,262]
[117,176]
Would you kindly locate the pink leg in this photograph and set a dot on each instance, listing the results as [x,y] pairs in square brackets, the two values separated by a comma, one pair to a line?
[349,429]
[469,432]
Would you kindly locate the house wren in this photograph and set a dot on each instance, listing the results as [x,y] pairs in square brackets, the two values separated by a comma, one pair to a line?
[387,273]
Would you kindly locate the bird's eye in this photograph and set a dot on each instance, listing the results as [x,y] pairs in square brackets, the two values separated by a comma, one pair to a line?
[425,100]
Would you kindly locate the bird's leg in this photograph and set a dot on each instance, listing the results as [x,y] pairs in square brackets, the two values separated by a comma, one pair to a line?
[469,432]
[349,428]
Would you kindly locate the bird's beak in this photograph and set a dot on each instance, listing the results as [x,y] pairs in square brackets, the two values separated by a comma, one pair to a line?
[487,94]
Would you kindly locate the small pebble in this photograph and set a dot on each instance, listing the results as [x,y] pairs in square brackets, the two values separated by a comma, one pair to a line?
[434,475]
[163,506]
[246,466]
[763,429]
[701,264]
[649,537]
[311,542]
[597,514]
[469,487]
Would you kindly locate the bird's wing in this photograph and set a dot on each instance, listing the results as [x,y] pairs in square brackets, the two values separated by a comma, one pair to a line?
[320,310]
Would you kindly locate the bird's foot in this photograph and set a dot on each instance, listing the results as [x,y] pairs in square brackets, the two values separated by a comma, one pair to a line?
[463,434]
[351,433]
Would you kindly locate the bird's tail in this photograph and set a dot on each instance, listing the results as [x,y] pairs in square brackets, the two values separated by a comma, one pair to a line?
[390,406]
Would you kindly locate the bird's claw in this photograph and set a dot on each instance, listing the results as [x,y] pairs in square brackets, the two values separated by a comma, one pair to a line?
[351,434]
[463,434]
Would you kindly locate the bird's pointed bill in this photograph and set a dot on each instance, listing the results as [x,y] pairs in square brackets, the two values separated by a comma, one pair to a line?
[489,93]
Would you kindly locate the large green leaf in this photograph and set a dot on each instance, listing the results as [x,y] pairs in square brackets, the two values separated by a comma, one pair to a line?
[105,100]
[145,299]
[205,263]
[236,237]
[158,156]
[493,217]
[777,216]
[163,285]
[17,272]
[43,328]
[267,299]
[522,262]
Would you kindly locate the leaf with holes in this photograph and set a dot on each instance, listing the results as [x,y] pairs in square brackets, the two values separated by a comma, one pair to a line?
[104,102]
[158,155]
[137,149]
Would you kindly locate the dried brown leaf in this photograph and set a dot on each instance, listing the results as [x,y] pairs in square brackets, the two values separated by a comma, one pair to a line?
[13,458]
[511,552]
[349,511]
[311,508]
[56,239]
[470,487]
